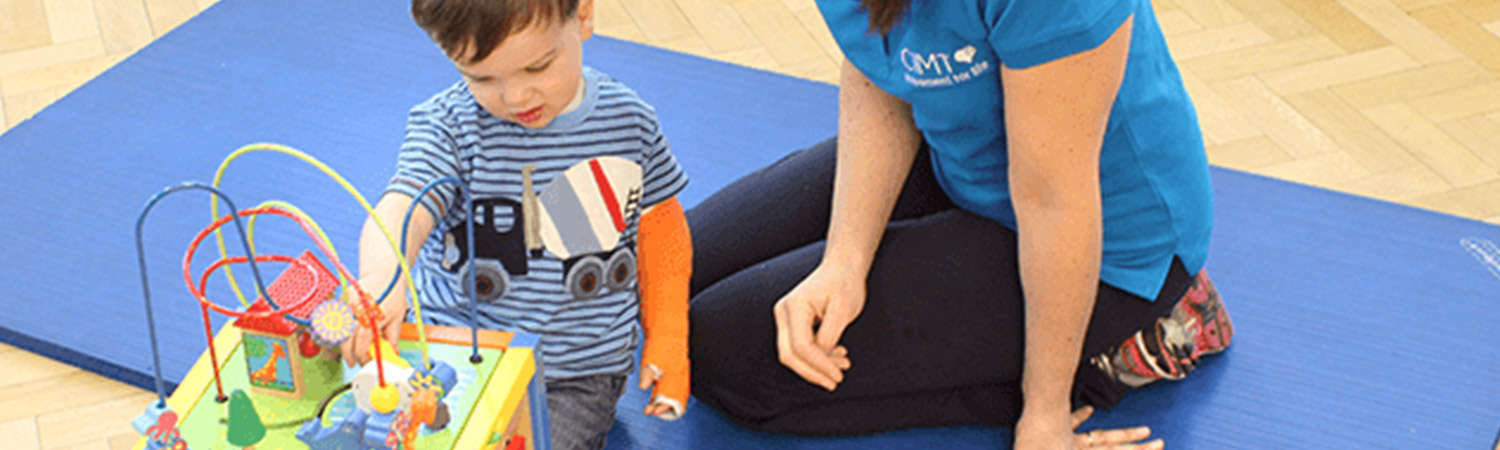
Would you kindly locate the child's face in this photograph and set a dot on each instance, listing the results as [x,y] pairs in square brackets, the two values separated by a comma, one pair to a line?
[535,72]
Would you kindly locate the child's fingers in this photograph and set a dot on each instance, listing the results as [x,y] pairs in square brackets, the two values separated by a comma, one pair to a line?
[358,342]
[657,409]
[356,348]
[346,349]
[665,408]
[393,333]
[649,375]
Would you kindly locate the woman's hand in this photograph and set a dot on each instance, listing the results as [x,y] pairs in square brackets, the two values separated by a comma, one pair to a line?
[356,349]
[1047,433]
[810,320]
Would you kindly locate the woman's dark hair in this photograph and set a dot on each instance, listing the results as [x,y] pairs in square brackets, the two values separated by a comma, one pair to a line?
[884,13]
[457,24]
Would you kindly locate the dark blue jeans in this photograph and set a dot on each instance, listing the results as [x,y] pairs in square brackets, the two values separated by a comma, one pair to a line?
[940,341]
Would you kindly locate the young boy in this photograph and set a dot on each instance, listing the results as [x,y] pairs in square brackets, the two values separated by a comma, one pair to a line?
[574,188]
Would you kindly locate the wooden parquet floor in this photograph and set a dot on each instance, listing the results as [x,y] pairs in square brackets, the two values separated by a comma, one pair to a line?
[1392,99]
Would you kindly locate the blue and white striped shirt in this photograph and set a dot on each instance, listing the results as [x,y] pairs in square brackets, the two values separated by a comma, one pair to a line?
[450,135]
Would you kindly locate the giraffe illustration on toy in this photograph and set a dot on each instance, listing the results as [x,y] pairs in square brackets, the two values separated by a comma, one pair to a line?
[267,373]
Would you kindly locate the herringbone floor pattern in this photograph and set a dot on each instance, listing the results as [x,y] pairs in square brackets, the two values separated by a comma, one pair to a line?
[1392,99]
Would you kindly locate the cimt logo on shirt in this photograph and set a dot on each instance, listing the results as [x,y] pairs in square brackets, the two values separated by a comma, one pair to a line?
[936,69]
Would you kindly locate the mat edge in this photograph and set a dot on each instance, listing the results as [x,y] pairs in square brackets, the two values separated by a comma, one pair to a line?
[82,361]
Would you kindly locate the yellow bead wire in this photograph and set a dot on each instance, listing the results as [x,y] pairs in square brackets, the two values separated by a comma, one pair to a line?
[400,256]
[322,237]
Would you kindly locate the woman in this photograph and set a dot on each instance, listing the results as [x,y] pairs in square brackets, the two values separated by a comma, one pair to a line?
[1020,200]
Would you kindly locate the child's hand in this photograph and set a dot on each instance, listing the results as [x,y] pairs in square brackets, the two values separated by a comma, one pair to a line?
[356,349]
[662,406]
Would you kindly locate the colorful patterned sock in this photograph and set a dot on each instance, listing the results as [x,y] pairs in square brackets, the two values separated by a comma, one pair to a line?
[1171,348]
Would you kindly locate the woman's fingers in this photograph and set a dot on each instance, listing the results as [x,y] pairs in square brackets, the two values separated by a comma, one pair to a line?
[831,328]
[1115,439]
[826,346]
[802,317]
[1153,445]
[786,349]
[840,357]
[1118,439]
[1081,415]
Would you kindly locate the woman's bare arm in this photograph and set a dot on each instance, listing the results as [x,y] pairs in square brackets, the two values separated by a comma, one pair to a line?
[1056,114]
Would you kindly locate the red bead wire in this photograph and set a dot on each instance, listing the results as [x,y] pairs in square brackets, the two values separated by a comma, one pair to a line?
[198,292]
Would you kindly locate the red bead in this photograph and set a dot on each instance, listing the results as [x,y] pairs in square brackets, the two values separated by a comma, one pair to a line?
[307,346]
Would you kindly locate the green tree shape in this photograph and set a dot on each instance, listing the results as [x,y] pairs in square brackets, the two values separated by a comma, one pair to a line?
[245,427]
[255,347]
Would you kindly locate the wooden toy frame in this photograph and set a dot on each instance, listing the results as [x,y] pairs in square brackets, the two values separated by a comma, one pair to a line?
[501,414]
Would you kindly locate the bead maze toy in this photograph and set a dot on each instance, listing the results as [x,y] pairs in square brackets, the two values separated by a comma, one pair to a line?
[271,380]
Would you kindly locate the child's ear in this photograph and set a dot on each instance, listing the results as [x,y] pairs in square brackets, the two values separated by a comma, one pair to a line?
[585,19]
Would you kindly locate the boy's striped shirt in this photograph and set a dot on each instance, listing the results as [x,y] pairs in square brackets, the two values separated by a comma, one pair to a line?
[450,135]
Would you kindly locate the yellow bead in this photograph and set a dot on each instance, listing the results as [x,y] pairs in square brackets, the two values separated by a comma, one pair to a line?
[385,398]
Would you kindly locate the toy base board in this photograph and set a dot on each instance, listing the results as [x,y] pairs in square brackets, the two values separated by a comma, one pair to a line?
[204,424]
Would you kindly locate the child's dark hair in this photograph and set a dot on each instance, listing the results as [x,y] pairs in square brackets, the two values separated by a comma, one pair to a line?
[884,13]
[458,24]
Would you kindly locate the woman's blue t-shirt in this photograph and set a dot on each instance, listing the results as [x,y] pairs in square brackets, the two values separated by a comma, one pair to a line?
[944,59]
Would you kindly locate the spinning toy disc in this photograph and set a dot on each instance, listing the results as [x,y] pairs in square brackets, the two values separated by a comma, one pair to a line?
[332,323]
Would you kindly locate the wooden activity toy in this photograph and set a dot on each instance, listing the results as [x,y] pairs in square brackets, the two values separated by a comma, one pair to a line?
[271,378]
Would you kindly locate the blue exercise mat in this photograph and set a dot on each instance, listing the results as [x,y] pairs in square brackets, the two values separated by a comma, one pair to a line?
[1360,324]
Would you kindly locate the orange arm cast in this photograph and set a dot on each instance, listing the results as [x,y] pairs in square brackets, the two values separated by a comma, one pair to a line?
[665,250]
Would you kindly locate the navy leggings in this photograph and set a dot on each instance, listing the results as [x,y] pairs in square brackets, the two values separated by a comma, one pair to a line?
[940,340]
